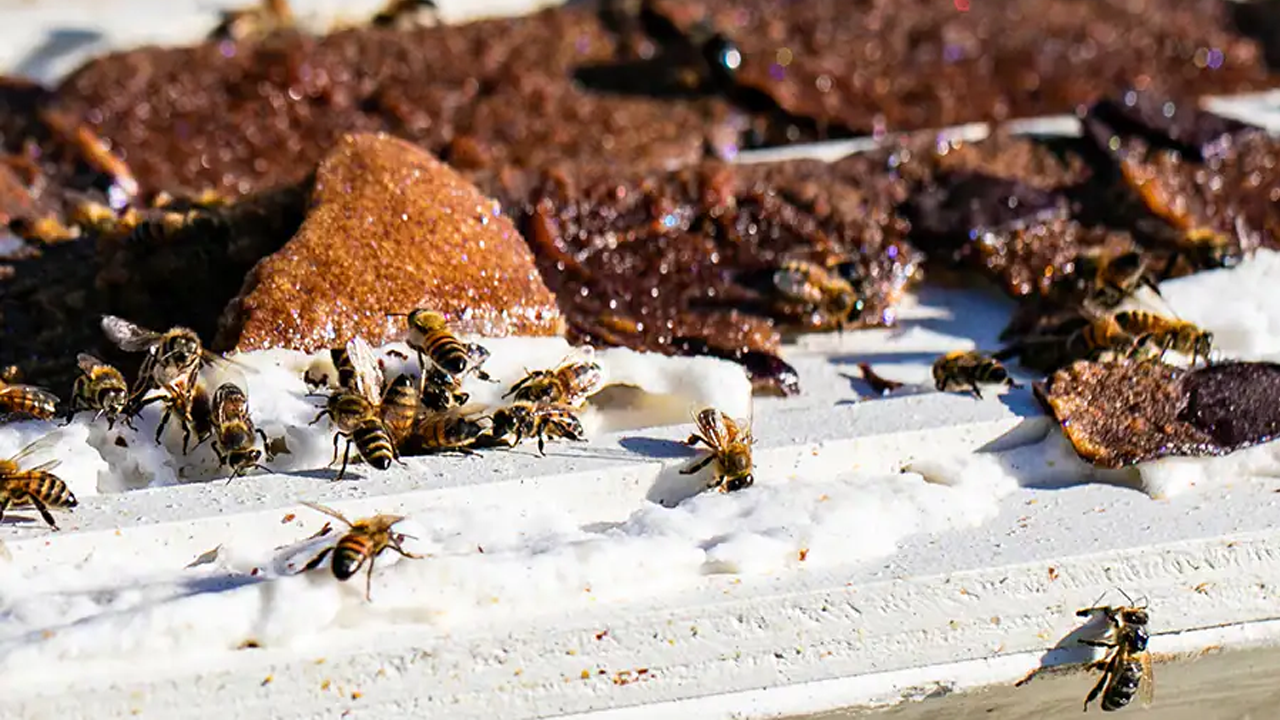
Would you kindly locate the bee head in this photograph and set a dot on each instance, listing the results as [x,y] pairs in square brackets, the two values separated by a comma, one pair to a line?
[244,459]
[1134,616]
[738,482]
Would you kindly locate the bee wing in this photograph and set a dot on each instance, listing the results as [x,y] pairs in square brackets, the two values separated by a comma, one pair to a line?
[327,511]
[368,381]
[44,442]
[1148,690]
[87,363]
[130,337]
[30,390]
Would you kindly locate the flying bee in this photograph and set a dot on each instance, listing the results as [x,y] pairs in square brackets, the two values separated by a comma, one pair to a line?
[363,542]
[252,23]
[173,357]
[27,400]
[523,419]
[36,486]
[1126,670]
[441,391]
[234,432]
[831,298]
[1165,333]
[430,337]
[965,370]
[730,445]
[99,387]
[440,432]
[399,408]
[569,384]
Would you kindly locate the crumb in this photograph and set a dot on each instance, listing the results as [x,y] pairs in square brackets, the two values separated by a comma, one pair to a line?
[1203,588]
[356,694]
[602,634]
[248,644]
[804,553]
[287,519]
[1053,573]
[121,442]
[325,685]
[267,680]
[586,674]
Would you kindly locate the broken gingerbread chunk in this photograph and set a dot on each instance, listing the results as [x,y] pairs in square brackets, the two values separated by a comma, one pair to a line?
[1210,184]
[1122,413]
[717,259]
[390,229]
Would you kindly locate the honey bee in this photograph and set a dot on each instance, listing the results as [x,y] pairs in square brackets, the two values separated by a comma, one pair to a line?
[173,357]
[1110,281]
[363,542]
[354,409]
[831,299]
[1206,247]
[99,387]
[730,445]
[36,486]
[27,400]
[569,384]
[399,408]
[1126,670]
[191,407]
[253,23]
[450,431]
[430,337]
[965,370]
[47,230]
[1148,328]
[441,391]
[234,432]
[97,218]
[523,419]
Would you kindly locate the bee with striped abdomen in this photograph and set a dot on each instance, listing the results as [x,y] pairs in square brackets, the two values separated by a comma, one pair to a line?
[1126,671]
[730,444]
[254,22]
[363,542]
[431,337]
[523,419]
[191,407]
[829,298]
[27,400]
[966,370]
[354,408]
[442,432]
[400,407]
[36,486]
[99,387]
[234,434]
[1148,328]
[1109,281]
[568,384]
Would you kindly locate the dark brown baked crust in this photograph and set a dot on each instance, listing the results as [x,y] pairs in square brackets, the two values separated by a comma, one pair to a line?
[1121,414]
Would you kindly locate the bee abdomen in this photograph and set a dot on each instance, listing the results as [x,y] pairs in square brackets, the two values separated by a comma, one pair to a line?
[349,555]
[51,491]
[1123,686]
[448,352]
[374,443]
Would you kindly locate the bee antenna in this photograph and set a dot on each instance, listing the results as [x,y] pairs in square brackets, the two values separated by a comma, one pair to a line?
[1126,595]
[397,314]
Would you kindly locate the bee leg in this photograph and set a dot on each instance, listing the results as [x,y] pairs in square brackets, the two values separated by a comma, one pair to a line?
[368,580]
[698,465]
[322,414]
[43,510]
[1097,689]
[346,455]
[413,556]
[164,421]
[4,505]
[315,561]
[977,391]
[695,438]
[1098,643]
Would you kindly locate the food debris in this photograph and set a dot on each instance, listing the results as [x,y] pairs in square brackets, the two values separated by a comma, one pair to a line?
[1053,573]
[287,519]
[1203,588]
[586,674]
[267,680]
[602,634]
[804,553]
[205,557]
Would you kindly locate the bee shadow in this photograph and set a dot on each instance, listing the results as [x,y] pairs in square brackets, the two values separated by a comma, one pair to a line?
[656,447]
[320,474]
[39,61]
[1070,652]
[16,518]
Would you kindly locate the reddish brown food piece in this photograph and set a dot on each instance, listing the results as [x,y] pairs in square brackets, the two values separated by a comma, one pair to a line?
[1210,184]
[390,229]
[247,116]
[1120,414]
[664,261]
[924,64]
